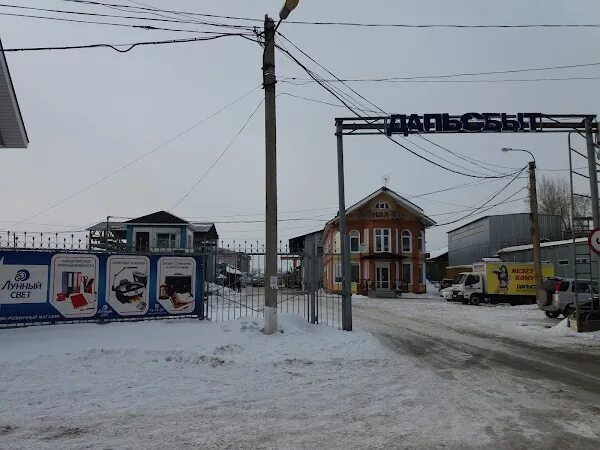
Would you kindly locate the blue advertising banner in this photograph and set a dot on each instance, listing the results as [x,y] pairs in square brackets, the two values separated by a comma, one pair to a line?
[42,286]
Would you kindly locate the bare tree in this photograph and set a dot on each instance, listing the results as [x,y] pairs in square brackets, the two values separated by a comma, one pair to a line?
[554,197]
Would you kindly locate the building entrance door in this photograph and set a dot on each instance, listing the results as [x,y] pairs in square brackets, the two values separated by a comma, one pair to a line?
[142,241]
[382,280]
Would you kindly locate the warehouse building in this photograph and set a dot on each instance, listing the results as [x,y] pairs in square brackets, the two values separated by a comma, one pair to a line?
[558,253]
[482,238]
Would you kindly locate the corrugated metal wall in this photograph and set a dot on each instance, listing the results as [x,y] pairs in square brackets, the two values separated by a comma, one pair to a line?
[469,243]
[485,237]
[556,255]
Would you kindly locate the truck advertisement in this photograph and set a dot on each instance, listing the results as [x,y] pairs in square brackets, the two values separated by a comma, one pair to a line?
[505,278]
[52,286]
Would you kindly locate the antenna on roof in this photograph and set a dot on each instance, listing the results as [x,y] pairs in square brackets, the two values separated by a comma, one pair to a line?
[385,180]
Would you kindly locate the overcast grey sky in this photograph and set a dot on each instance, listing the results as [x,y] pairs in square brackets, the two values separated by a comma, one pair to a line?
[89,112]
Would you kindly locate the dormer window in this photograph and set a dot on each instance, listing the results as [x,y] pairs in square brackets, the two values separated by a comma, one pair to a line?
[382,205]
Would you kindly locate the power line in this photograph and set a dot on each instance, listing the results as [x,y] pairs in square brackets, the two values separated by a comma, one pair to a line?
[479,209]
[447,25]
[129,46]
[328,88]
[508,80]
[114,24]
[461,74]
[352,24]
[139,158]
[115,16]
[178,202]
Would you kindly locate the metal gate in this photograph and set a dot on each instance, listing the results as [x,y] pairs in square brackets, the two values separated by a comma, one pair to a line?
[236,288]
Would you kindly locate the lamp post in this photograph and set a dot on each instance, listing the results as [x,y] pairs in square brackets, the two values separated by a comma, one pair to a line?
[535,227]
[269,81]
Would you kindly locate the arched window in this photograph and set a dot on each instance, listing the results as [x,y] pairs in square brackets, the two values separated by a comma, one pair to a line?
[421,242]
[337,245]
[406,242]
[355,241]
[382,205]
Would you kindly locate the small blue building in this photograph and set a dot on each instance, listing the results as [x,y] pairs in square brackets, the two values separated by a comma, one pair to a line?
[157,232]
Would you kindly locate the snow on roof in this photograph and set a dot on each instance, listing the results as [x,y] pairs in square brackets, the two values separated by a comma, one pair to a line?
[437,253]
[520,248]
[232,271]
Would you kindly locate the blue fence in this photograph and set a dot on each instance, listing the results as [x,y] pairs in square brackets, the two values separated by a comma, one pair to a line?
[54,286]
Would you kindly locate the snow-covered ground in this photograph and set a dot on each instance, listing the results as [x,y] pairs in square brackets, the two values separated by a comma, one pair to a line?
[525,322]
[197,384]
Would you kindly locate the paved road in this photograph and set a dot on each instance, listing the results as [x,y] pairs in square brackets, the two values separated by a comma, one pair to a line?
[563,384]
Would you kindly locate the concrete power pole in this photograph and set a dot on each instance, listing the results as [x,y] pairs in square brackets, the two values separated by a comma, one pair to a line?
[269,81]
[535,235]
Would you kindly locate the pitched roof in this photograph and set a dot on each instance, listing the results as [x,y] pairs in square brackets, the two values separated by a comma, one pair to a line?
[159,217]
[113,226]
[407,204]
[12,128]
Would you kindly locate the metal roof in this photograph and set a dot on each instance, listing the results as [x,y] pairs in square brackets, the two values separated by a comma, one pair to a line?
[12,128]
[114,226]
[520,248]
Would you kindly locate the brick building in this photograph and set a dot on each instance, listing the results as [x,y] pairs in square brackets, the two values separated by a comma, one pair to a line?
[387,246]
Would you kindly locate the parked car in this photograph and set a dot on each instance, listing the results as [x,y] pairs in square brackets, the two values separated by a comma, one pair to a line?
[258,281]
[563,292]
[445,283]
[447,294]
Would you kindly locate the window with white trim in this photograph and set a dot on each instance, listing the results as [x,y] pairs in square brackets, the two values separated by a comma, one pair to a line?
[382,240]
[382,205]
[421,242]
[355,241]
[406,242]
[165,240]
[337,273]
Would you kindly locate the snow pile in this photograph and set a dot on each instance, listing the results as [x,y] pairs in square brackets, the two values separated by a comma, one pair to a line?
[563,329]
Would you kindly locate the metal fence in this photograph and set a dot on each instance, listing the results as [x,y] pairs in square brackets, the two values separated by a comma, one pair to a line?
[233,276]
[235,294]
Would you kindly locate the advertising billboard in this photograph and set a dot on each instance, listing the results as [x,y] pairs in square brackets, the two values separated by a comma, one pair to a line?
[51,286]
[504,278]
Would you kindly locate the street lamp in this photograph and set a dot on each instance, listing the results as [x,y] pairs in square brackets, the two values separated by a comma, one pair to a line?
[269,81]
[509,149]
[287,8]
[535,227]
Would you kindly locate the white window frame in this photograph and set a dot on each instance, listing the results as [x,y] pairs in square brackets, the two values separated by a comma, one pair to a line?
[366,242]
[421,242]
[384,248]
[378,283]
[402,236]
[355,234]
[337,272]
[382,205]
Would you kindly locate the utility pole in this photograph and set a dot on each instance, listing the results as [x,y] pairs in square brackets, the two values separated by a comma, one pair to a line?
[540,294]
[269,81]
[593,174]
[535,235]
[344,237]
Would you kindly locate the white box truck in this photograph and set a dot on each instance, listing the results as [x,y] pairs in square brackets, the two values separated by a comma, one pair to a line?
[498,282]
